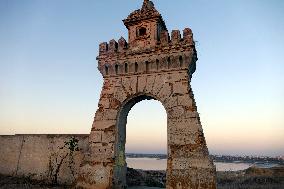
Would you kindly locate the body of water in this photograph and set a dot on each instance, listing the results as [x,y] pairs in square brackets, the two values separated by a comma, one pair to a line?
[161,164]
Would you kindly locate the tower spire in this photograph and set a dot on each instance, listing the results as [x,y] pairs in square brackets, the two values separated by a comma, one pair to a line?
[145,1]
[147,4]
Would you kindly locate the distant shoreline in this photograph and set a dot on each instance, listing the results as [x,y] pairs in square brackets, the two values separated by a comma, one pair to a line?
[221,158]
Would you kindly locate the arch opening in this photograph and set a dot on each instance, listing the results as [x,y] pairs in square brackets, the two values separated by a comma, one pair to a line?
[116,69]
[157,64]
[180,61]
[136,67]
[106,69]
[126,68]
[141,129]
[141,31]
[147,66]
[168,62]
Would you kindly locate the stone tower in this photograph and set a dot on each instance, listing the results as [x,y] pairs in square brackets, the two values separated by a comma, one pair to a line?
[151,65]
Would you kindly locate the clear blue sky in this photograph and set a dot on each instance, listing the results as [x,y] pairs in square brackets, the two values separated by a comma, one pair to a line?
[49,82]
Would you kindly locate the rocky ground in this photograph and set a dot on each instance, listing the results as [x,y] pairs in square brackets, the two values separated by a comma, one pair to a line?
[252,178]
[8,182]
[145,178]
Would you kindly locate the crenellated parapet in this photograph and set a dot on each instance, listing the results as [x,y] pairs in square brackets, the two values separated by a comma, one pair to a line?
[122,44]
[150,48]
[165,40]
[172,52]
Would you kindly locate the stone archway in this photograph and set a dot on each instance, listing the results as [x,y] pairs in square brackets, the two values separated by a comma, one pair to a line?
[188,164]
[120,164]
[149,66]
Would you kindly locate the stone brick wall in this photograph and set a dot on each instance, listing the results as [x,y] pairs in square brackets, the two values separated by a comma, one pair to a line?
[42,157]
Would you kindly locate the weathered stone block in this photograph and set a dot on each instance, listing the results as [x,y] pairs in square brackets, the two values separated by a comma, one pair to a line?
[120,94]
[170,102]
[165,92]
[95,137]
[108,137]
[110,114]
[182,125]
[101,151]
[177,76]
[180,88]
[164,38]
[175,36]
[112,46]
[181,138]
[122,44]
[191,114]
[97,174]
[115,104]
[116,82]
[176,112]
[99,115]
[104,103]
[141,83]
[185,100]
[149,84]
[103,47]
[130,84]
[158,84]
[104,124]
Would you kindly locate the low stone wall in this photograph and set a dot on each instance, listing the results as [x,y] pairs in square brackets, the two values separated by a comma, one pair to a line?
[50,158]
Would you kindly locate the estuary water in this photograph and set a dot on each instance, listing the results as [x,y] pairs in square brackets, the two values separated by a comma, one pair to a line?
[161,164]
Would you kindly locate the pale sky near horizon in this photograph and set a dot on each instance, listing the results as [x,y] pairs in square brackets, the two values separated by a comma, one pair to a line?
[49,82]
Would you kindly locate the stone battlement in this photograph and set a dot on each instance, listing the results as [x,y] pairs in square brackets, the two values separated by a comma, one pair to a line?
[171,53]
[150,48]
[165,40]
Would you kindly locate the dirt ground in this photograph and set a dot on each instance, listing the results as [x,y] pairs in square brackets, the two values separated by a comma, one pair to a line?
[8,182]
[251,178]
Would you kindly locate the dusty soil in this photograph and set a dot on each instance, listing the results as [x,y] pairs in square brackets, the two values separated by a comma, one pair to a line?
[8,182]
[252,178]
